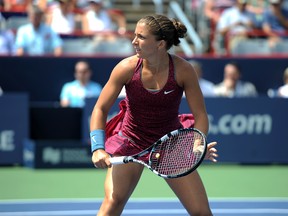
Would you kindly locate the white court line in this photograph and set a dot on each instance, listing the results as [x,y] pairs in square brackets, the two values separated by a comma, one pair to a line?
[49,213]
[133,200]
[249,199]
[146,211]
[222,211]
[91,212]
[251,211]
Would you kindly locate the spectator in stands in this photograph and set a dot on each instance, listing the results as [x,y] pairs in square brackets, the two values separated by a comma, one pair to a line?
[206,86]
[232,85]
[36,38]
[283,90]
[97,18]
[257,8]
[275,23]
[212,11]
[108,27]
[73,93]
[233,25]
[61,17]
[7,39]
[214,8]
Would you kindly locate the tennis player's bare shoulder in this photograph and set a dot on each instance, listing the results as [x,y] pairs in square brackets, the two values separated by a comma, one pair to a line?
[124,70]
[128,64]
[180,63]
[183,70]
[181,66]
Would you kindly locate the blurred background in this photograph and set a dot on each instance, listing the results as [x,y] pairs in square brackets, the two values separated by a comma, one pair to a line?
[47,47]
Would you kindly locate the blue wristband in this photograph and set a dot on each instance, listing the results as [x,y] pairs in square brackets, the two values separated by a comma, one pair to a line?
[97,139]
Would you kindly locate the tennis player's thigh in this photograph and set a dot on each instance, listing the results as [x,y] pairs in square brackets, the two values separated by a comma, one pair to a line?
[121,180]
[190,191]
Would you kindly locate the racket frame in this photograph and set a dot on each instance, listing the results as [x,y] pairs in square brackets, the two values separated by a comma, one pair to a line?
[133,158]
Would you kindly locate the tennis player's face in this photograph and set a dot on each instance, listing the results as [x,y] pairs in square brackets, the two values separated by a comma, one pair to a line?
[145,44]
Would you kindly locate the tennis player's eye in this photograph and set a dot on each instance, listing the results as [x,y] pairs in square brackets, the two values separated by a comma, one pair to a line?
[139,36]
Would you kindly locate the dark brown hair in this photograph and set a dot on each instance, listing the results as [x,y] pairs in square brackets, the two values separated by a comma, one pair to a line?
[170,30]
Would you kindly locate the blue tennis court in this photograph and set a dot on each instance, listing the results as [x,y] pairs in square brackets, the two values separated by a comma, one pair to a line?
[143,207]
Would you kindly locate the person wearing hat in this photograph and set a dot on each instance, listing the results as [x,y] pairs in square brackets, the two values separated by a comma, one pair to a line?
[275,24]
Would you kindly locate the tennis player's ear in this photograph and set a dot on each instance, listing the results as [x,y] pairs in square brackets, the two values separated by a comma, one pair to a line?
[161,44]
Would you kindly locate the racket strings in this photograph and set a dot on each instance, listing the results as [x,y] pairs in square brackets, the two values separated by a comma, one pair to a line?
[178,154]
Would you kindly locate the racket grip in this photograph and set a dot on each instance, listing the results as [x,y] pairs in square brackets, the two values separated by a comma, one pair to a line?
[117,160]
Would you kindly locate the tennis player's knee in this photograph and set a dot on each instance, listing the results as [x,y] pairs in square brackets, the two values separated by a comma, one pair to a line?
[115,201]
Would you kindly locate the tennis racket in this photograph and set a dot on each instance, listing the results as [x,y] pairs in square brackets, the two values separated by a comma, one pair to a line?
[176,154]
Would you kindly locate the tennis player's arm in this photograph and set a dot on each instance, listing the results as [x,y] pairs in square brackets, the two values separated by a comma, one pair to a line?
[189,81]
[120,75]
[106,99]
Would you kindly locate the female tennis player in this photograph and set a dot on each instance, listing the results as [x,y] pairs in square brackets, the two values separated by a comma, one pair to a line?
[154,81]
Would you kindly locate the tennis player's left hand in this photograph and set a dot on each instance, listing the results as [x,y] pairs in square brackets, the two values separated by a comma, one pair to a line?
[211,153]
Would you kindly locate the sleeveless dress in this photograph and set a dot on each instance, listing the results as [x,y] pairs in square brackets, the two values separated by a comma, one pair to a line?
[145,116]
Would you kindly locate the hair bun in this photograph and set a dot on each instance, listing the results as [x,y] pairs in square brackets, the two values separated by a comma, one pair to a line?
[181,29]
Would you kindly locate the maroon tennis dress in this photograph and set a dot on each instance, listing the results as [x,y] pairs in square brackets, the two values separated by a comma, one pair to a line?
[145,116]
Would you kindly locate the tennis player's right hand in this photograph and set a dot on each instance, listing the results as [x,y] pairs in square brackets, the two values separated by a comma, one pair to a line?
[100,159]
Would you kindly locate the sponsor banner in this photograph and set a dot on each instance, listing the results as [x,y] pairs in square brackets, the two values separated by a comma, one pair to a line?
[248,130]
[14,127]
[56,154]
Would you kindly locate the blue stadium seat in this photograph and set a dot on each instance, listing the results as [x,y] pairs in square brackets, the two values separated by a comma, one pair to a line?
[83,45]
[78,46]
[281,47]
[251,46]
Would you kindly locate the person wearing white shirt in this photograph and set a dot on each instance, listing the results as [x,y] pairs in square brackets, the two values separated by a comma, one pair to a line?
[108,27]
[283,90]
[61,17]
[234,24]
[97,18]
[232,85]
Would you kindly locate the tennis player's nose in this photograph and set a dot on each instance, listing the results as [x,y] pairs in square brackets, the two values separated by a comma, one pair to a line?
[134,41]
